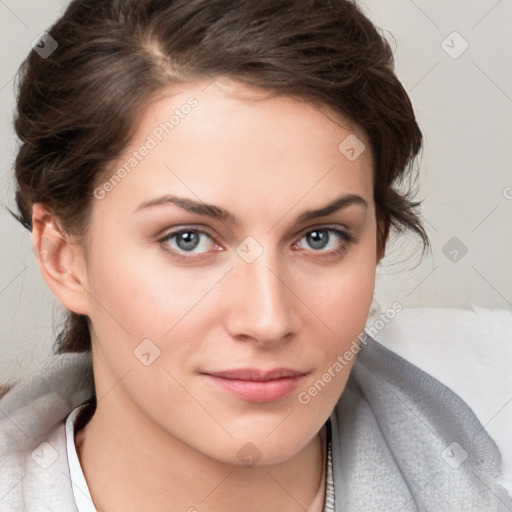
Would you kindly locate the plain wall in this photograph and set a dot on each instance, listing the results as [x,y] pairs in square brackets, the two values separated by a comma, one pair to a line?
[464,106]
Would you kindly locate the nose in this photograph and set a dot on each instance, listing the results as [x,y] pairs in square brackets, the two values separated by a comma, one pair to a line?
[262,306]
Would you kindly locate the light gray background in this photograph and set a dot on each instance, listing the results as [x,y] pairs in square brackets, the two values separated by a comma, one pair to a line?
[464,106]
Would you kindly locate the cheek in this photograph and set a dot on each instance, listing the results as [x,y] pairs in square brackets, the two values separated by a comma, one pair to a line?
[342,297]
[343,309]
[341,301]
[143,293]
[140,297]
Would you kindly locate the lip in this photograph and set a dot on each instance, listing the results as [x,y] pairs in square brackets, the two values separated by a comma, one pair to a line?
[254,385]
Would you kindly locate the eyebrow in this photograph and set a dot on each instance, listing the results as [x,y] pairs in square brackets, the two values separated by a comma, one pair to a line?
[191,206]
[218,213]
[338,204]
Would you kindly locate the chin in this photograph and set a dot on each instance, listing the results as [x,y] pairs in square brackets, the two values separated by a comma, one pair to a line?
[261,450]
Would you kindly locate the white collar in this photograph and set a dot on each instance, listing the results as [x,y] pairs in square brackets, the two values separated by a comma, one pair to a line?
[81,492]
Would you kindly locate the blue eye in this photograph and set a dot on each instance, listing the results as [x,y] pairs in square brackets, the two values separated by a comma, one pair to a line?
[188,241]
[318,239]
[326,240]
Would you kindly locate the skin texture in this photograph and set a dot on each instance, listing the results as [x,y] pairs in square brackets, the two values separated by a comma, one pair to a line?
[163,436]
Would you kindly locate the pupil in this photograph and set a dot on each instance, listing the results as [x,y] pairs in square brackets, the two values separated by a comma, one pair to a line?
[187,240]
[318,239]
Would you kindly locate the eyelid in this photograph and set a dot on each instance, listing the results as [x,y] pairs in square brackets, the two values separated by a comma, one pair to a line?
[342,230]
[347,240]
[169,232]
[183,256]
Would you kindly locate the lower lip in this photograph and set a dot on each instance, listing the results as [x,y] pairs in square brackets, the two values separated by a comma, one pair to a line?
[258,391]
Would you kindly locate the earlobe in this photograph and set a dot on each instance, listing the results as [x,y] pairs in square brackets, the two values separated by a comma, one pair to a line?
[60,261]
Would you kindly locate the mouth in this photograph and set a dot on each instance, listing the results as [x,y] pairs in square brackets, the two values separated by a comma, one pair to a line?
[256,385]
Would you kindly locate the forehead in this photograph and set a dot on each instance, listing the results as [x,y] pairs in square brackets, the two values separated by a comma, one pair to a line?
[222,140]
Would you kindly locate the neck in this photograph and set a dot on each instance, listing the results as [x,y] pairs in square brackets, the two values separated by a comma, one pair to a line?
[131,464]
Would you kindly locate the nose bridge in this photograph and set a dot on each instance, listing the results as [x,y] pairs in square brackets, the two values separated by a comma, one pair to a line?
[263,306]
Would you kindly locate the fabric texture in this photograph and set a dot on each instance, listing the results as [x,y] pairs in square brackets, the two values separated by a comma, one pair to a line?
[468,350]
[82,496]
[401,441]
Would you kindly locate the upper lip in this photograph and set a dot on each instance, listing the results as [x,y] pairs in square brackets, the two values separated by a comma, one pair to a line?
[255,374]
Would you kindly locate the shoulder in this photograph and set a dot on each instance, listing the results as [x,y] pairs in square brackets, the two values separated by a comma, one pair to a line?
[33,457]
[38,478]
[402,439]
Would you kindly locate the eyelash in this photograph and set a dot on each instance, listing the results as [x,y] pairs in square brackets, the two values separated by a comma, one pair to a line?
[347,240]
[186,229]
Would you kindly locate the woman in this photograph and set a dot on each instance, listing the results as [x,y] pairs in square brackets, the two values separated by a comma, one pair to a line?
[210,186]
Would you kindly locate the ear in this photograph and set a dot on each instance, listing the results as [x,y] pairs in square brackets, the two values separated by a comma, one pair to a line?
[61,261]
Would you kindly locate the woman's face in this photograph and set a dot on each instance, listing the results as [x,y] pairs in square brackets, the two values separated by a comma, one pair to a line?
[229,268]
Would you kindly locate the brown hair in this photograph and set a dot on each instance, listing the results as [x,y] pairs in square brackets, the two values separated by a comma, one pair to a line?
[77,108]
